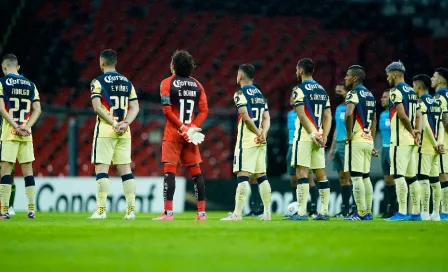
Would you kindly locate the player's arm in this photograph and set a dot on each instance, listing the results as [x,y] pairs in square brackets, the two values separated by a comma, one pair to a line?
[133,107]
[99,110]
[333,146]
[440,139]
[326,124]
[6,115]
[351,101]
[401,114]
[202,107]
[166,105]
[265,126]
[445,120]
[36,111]
[428,131]
[242,111]
[300,110]
[373,128]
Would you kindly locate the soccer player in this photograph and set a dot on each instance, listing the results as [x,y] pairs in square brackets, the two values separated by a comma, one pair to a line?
[337,150]
[391,194]
[439,82]
[182,96]
[405,139]
[115,102]
[360,122]
[250,149]
[312,105]
[255,203]
[291,123]
[431,146]
[20,109]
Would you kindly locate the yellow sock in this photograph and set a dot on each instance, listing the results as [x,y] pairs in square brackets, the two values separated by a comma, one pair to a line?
[368,188]
[303,191]
[30,193]
[402,195]
[102,188]
[129,193]
[359,194]
[240,197]
[5,193]
[425,194]
[436,196]
[414,189]
[265,194]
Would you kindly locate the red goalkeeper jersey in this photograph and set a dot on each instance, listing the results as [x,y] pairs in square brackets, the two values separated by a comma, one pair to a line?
[184,102]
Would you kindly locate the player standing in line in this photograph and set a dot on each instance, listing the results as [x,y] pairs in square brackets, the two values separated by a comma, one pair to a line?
[291,123]
[431,147]
[20,109]
[250,149]
[405,139]
[439,82]
[391,194]
[181,96]
[115,102]
[337,150]
[360,122]
[312,105]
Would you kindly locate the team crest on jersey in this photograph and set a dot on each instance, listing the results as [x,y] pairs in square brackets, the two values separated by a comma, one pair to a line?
[240,92]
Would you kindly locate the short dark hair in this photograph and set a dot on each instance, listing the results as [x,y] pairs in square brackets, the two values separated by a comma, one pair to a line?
[424,79]
[183,63]
[109,56]
[248,70]
[11,58]
[358,71]
[443,72]
[307,65]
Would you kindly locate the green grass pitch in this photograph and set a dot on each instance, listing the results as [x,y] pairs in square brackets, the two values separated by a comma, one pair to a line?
[69,242]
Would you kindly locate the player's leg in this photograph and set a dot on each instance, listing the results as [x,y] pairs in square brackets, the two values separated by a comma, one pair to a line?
[390,192]
[354,163]
[191,157]
[254,198]
[9,152]
[170,158]
[102,154]
[400,157]
[262,180]
[318,166]
[368,188]
[424,167]
[122,159]
[292,173]
[13,194]
[314,195]
[301,156]
[414,185]
[25,157]
[444,186]
[344,182]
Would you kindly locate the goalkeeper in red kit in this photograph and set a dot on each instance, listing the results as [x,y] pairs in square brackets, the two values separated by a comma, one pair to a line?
[181,97]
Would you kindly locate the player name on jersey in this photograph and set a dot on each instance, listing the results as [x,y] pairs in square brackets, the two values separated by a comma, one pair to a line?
[20,92]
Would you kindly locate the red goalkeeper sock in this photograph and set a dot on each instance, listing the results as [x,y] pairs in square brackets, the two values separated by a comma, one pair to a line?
[201,206]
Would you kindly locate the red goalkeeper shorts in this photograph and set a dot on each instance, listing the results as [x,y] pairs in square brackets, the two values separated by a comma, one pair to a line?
[185,153]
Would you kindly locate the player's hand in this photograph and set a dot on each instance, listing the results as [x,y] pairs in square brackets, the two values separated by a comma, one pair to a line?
[187,131]
[323,142]
[330,154]
[22,131]
[261,138]
[317,139]
[440,148]
[349,138]
[375,153]
[121,127]
[417,138]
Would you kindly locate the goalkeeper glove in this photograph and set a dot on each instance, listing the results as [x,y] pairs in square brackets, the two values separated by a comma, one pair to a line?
[191,134]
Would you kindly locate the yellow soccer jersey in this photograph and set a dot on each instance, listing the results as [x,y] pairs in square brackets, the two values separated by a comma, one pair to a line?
[314,100]
[251,97]
[18,94]
[365,108]
[442,99]
[402,94]
[431,113]
[115,92]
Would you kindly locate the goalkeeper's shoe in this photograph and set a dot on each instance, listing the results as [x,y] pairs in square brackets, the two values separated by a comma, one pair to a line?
[201,216]
[4,216]
[444,216]
[96,215]
[165,216]
[435,216]
[31,215]
[129,216]
[232,217]
[398,217]
[322,217]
